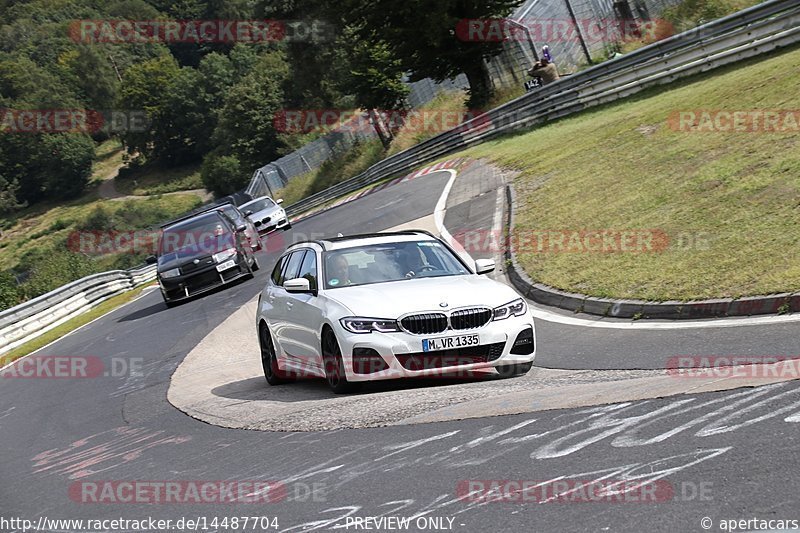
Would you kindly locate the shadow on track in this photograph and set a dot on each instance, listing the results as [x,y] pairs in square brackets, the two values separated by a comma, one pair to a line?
[256,389]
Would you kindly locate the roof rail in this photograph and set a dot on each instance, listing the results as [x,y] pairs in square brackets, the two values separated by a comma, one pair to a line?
[321,244]
[384,234]
[197,213]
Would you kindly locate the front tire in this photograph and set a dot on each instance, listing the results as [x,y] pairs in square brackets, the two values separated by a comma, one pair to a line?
[334,364]
[269,360]
[510,371]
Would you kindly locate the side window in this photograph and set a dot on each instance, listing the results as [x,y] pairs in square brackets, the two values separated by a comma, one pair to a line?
[234,216]
[293,265]
[308,269]
[277,279]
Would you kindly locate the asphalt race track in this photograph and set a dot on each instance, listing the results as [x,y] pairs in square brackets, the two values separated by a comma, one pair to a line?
[711,454]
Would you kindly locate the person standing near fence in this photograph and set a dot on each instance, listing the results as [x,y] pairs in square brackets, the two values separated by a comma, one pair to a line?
[547,71]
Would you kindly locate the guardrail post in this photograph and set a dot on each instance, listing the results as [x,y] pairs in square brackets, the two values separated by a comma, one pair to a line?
[579,32]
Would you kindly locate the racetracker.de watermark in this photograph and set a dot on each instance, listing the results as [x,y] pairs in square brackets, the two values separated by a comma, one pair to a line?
[606,490]
[734,366]
[557,30]
[735,121]
[177,492]
[199,31]
[169,492]
[72,367]
[148,242]
[89,121]
[302,121]
[565,241]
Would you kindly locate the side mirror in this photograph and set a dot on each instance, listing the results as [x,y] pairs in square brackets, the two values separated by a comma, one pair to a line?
[279,201]
[248,213]
[151,260]
[484,266]
[241,228]
[297,285]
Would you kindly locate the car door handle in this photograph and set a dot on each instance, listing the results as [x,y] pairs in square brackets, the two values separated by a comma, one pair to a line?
[289,305]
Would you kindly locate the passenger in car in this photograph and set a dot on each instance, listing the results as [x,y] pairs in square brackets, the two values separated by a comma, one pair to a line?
[339,271]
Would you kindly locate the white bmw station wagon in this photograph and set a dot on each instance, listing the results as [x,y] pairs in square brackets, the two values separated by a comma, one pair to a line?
[387,306]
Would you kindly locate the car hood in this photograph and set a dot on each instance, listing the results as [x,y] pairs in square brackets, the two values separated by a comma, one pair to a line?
[269,212]
[396,298]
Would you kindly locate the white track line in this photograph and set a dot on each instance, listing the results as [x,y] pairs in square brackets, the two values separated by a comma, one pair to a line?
[544,314]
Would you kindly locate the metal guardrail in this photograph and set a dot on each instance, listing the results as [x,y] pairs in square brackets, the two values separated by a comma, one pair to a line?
[31,319]
[762,28]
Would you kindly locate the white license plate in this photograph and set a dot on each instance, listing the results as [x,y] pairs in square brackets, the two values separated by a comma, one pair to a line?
[226,265]
[449,343]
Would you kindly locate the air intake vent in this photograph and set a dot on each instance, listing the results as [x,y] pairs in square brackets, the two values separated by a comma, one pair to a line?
[425,323]
[470,318]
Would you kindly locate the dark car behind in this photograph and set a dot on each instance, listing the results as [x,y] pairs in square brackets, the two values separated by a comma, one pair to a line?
[200,253]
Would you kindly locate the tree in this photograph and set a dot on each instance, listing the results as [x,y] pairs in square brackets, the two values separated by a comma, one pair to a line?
[374,77]
[66,164]
[222,174]
[8,196]
[46,166]
[146,86]
[312,57]
[246,123]
[95,77]
[422,35]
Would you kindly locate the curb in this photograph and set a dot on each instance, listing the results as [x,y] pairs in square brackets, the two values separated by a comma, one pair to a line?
[580,303]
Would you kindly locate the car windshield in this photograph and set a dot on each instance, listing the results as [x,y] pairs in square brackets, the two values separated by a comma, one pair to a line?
[258,205]
[232,213]
[395,261]
[206,235]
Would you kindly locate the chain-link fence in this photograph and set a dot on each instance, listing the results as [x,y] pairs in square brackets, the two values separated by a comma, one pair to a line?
[575,30]
[276,175]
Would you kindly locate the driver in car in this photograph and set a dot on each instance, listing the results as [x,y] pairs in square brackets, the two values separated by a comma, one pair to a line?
[412,261]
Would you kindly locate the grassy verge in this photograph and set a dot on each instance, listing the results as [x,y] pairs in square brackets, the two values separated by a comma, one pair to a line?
[149,181]
[49,226]
[44,249]
[444,101]
[71,325]
[729,202]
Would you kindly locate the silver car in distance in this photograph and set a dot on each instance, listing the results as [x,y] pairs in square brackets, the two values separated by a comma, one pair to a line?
[267,214]
[387,306]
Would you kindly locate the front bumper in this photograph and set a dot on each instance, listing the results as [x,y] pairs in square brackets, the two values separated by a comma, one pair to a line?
[273,224]
[200,281]
[401,354]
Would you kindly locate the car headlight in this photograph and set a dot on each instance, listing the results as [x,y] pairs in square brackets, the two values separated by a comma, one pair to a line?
[174,273]
[357,324]
[515,308]
[224,255]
